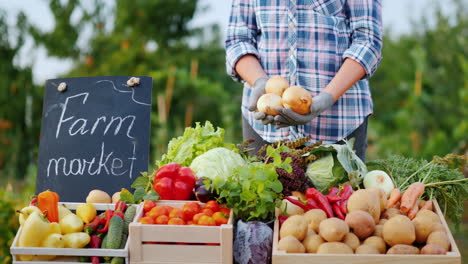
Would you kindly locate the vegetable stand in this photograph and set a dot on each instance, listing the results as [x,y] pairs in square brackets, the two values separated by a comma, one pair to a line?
[179,244]
[67,255]
[453,256]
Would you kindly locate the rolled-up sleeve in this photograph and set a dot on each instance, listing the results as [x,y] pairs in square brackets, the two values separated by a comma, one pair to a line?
[365,19]
[241,35]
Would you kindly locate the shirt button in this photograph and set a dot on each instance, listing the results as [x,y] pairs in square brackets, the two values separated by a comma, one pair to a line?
[292,25]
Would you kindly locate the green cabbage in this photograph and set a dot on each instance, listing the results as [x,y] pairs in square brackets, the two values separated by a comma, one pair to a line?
[320,172]
[216,163]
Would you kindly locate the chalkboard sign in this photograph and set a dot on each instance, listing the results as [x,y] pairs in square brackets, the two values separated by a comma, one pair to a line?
[94,135]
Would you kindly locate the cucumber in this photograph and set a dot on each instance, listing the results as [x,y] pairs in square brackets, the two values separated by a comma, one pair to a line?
[128,218]
[115,232]
[83,259]
[104,241]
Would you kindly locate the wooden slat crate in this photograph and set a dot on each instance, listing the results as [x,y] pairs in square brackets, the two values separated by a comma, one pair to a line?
[187,242]
[68,255]
[452,257]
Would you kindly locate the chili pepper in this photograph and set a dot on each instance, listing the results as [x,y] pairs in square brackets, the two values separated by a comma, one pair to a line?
[120,207]
[337,210]
[334,191]
[282,218]
[47,201]
[92,226]
[334,198]
[173,182]
[311,204]
[345,194]
[297,202]
[108,217]
[33,201]
[95,243]
[119,214]
[322,201]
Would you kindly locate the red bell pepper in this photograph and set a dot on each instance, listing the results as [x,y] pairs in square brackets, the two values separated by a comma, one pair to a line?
[321,200]
[173,182]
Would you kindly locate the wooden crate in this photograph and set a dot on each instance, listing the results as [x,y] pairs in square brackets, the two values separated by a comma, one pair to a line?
[191,241]
[453,256]
[68,255]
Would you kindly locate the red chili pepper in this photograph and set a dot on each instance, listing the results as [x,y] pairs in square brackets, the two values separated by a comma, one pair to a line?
[333,198]
[93,225]
[281,219]
[322,201]
[33,201]
[173,182]
[95,243]
[312,204]
[337,210]
[345,194]
[109,215]
[334,191]
[297,202]
[120,207]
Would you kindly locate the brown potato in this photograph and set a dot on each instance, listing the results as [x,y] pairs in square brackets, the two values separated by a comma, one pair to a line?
[312,243]
[333,229]
[310,233]
[351,240]
[367,201]
[334,248]
[376,242]
[314,218]
[400,249]
[295,225]
[378,231]
[438,227]
[367,249]
[399,230]
[382,197]
[429,214]
[382,221]
[433,249]
[423,226]
[290,244]
[439,238]
[361,223]
[391,212]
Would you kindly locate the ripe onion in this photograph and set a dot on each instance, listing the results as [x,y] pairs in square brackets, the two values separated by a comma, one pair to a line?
[297,99]
[276,85]
[267,104]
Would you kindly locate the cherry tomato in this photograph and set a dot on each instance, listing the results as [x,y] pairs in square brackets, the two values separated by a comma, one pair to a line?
[206,221]
[197,217]
[156,212]
[162,220]
[220,218]
[146,220]
[148,205]
[213,205]
[207,211]
[176,213]
[190,209]
[176,221]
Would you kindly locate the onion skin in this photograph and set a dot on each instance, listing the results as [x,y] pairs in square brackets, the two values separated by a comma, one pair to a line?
[276,85]
[297,99]
[268,103]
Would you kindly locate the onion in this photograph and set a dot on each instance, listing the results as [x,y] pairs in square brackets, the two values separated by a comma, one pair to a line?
[267,104]
[378,179]
[297,99]
[276,85]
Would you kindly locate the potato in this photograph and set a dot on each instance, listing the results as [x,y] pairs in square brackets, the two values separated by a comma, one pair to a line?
[296,226]
[115,197]
[334,248]
[361,223]
[438,227]
[367,249]
[429,214]
[290,244]
[98,196]
[439,238]
[352,241]
[333,229]
[400,249]
[382,221]
[376,242]
[314,218]
[312,243]
[382,197]
[399,230]
[391,212]
[378,231]
[310,233]
[367,201]
[423,226]
[433,249]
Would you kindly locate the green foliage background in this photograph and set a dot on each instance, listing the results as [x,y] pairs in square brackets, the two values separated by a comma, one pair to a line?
[420,91]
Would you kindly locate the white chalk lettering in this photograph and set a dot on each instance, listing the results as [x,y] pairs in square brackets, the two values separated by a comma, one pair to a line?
[82,129]
[115,166]
[119,124]
[132,159]
[64,109]
[56,161]
[103,118]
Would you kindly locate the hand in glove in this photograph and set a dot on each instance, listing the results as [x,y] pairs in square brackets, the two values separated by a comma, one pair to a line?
[288,117]
[257,92]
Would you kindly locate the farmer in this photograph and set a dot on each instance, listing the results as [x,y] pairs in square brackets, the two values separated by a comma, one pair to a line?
[329,47]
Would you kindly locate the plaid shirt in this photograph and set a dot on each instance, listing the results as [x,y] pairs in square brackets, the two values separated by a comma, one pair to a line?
[306,41]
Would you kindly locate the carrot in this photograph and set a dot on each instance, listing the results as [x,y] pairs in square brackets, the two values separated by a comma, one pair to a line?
[410,197]
[412,213]
[427,206]
[395,196]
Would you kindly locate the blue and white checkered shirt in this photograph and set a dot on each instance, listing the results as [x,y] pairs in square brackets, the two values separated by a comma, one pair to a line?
[306,41]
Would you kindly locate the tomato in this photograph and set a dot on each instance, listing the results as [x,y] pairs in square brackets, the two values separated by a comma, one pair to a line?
[157,211]
[206,221]
[190,209]
[213,205]
[148,205]
[225,211]
[220,218]
[197,217]
[176,221]
[169,208]
[176,213]
[146,220]
[207,211]
[190,223]
[161,220]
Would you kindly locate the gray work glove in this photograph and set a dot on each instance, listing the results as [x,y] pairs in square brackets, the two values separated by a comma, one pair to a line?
[288,117]
[258,91]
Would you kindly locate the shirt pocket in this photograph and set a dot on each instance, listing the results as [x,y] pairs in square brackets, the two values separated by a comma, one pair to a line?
[326,7]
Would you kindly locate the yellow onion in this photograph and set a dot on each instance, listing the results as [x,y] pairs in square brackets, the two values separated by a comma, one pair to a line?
[297,99]
[276,85]
[267,104]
